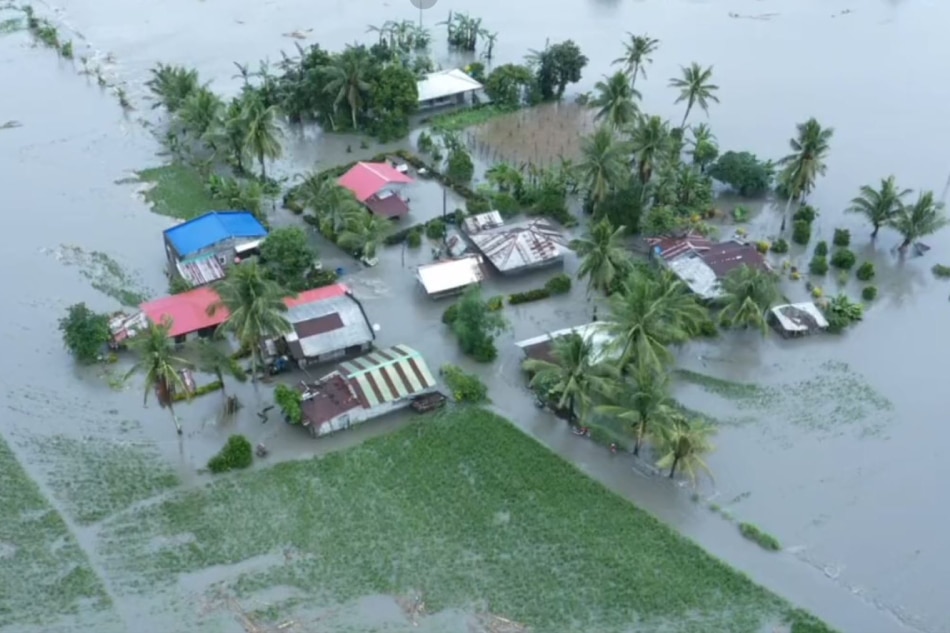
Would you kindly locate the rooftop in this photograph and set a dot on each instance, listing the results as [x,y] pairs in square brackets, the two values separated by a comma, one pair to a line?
[725,257]
[445,83]
[451,275]
[368,179]
[522,245]
[478,223]
[387,204]
[212,228]
[671,247]
[697,274]
[387,375]
[327,399]
[540,347]
[328,324]
[799,318]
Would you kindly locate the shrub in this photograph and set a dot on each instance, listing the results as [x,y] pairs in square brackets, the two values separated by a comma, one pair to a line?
[414,239]
[402,235]
[460,167]
[805,214]
[763,246]
[181,396]
[821,248]
[435,229]
[818,265]
[842,312]
[842,238]
[940,271]
[237,453]
[178,285]
[448,317]
[765,541]
[843,259]
[559,284]
[865,272]
[477,204]
[465,387]
[85,333]
[289,400]
[496,303]
[527,297]
[801,232]
[869,293]
[780,246]
[505,204]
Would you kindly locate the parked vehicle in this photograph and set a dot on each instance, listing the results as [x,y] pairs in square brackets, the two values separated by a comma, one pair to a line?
[428,402]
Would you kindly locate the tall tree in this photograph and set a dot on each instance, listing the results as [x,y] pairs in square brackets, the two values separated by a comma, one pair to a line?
[476,326]
[604,165]
[346,79]
[703,146]
[615,101]
[683,444]
[748,294]
[806,162]
[212,359]
[256,309]
[287,257]
[920,219]
[644,403]
[636,56]
[881,205]
[363,233]
[603,256]
[650,142]
[650,313]
[201,114]
[263,134]
[696,88]
[160,366]
[574,375]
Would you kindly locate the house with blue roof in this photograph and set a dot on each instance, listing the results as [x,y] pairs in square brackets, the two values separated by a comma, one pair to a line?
[201,249]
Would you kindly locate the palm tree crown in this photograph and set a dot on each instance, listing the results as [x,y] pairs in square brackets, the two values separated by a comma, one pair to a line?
[346,78]
[615,101]
[603,256]
[573,376]
[920,219]
[807,160]
[263,133]
[881,205]
[636,56]
[644,404]
[160,366]
[695,88]
[650,143]
[747,295]
[683,444]
[604,165]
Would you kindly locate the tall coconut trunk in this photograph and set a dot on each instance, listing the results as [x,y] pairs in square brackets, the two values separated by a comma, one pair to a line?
[676,461]
[877,227]
[689,107]
[171,409]
[905,243]
[641,428]
[260,158]
[788,205]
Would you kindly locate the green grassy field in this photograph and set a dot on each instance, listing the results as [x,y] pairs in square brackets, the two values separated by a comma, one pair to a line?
[179,191]
[462,507]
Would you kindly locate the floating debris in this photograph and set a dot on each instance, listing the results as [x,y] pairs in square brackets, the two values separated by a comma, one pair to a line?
[9,125]
[106,274]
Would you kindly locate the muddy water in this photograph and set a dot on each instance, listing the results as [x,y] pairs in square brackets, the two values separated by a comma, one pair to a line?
[853,498]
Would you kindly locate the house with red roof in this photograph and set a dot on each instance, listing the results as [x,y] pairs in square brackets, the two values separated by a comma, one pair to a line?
[378,186]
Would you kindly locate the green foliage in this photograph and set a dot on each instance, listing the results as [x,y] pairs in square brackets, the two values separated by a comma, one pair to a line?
[869,293]
[842,312]
[458,120]
[496,303]
[801,232]
[476,326]
[465,387]
[460,167]
[435,229]
[392,98]
[508,85]
[178,285]
[865,272]
[171,85]
[558,284]
[557,66]
[289,400]
[477,204]
[424,143]
[528,296]
[780,246]
[842,238]
[821,249]
[764,540]
[940,271]
[743,172]
[843,259]
[818,265]
[85,333]
[182,396]
[178,191]
[286,257]
[805,213]
[803,622]
[450,313]
[414,239]
[237,453]
[661,220]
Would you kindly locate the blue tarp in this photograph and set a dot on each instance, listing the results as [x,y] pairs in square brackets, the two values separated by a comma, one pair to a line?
[213,227]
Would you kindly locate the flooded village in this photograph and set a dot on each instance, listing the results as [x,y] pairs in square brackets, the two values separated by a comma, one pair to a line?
[473,318]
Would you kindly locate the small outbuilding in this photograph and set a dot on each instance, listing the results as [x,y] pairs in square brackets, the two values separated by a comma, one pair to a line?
[446,88]
[450,278]
[483,221]
[522,246]
[797,319]
[377,186]
[365,388]
[596,333]
[201,249]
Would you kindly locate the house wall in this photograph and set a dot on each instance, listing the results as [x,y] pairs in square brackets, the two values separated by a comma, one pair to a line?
[224,251]
[359,416]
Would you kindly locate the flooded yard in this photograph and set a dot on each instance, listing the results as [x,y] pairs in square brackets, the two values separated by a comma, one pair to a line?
[831,444]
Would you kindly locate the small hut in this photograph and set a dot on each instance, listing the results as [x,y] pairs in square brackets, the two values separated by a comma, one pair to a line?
[797,319]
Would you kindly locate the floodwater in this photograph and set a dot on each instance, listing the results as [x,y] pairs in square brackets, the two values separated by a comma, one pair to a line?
[844,465]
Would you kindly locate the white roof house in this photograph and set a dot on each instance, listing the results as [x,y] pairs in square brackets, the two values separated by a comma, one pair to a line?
[798,319]
[696,274]
[482,221]
[521,246]
[442,279]
[596,333]
[445,84]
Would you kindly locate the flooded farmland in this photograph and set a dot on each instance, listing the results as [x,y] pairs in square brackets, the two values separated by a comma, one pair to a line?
[831,444]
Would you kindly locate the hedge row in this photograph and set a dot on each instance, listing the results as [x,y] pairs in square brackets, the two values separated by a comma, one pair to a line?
[557,285]
[200,391]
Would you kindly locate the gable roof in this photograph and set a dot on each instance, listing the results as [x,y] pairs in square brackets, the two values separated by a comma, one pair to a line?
[671,247]
[445,83]
[211,228]
[387,375]
[725,257]
[368,179]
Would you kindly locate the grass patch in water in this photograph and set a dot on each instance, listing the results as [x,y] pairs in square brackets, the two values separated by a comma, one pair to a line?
[461,119]
[106,275]
[763,539]
[460,506]
[11,25]
[178,191]
[940,271]
[96,478]
[43,573]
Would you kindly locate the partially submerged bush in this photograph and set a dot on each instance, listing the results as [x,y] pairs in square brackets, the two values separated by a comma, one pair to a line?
[237,453]
[818,265]
[182,396]
[806,213]
[821,248]
[496,303]
[435,230]
[477,204]
[528,296]
[842,312]
[465,387]
[780,246]
[414,239]
[764,540]
[290,402]
[763,246]
[448,317]
[801,232]
[940,271]
[869,293]
[558,284]
[85,333]
[843,259]
[865,272]
[842,238]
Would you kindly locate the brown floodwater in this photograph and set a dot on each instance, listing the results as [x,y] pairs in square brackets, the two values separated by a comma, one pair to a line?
[844,465]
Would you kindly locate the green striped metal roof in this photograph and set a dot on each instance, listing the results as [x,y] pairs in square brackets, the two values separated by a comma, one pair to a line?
[388,374]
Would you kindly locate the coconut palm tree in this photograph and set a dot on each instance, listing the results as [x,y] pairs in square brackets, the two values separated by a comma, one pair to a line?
[363,234]
[346,78]
[604,165]
[650,142]
[806,162]
[683,444]
[255,308]
[920,219]
[703,146]
[573,376]
[881,205]
[263,134]
[636,56]
[160,366]
[748,294]
[505,178]
[692,190]
[201,114]
[171,85]
[615,101]
[603,256]
[695,88]
[645,403]
[212,359]
[649,314]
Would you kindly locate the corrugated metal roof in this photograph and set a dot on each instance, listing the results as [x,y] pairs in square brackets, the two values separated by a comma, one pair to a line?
[445,83]
[353,329]
[387,375]
[211,228]
[450,275]
[367,179]
[672,247]
[478,223]
[521,245]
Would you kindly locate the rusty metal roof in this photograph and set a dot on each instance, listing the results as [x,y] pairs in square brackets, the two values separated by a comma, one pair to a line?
[521,245]
[387,375]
